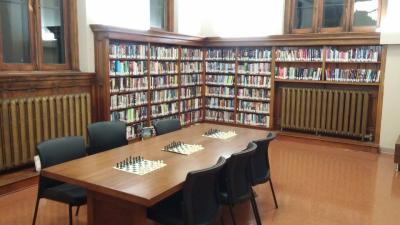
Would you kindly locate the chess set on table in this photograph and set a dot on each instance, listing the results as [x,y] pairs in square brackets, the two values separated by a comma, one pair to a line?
[218,134]
[182,148]
[138,165]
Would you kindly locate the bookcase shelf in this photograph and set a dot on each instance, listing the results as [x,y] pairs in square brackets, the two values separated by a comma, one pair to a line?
[231,70]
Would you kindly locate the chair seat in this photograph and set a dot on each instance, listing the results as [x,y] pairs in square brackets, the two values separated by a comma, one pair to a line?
[168,212]
[66,193]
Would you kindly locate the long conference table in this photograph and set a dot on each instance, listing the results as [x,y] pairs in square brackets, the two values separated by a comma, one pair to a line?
[121,198]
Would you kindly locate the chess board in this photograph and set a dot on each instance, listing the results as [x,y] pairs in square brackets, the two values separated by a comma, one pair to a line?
[139,165]
[220,134]
[182,148]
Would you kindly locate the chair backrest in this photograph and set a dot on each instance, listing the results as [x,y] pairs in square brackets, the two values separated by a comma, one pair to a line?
[259,163]
[167,126]
[237,175]
[200,195]
[106,135]
[56,151]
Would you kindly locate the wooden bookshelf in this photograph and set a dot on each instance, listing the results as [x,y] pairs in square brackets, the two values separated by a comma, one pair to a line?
[244,67]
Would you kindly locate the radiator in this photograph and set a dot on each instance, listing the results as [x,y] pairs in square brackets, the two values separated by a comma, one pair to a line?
[26,122]
[336,112]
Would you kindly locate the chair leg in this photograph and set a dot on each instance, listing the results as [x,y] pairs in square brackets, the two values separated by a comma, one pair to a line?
[36,211]
[70,214]
[231,212]
[77,210]
[273,192]
[255,208]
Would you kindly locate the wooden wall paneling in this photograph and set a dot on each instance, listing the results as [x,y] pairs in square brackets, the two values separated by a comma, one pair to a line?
[73,37]
[380,96]
[273,90]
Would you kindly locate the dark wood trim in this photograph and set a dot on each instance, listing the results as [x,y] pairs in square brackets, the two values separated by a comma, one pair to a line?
[170,15]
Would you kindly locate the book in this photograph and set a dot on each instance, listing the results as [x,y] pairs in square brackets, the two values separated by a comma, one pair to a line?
[298,54]
[352,75]
[192,54]
[296,73]
[255,54]
[359,54]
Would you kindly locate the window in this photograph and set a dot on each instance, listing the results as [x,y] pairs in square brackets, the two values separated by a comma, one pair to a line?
[37,35]
[161,14]
[306,16]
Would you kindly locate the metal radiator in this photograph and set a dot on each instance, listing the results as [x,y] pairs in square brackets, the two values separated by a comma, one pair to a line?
[337,112]
[26,122]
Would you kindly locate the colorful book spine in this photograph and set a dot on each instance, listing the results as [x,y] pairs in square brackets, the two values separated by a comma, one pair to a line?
[253,94]
[221,54]
[127,50]
[227,92]
[255,54]
[219,79]
[191,67]
[164,95]
[352,75]
[255,68]
[163,68]
[124,68]
[191,79]
[298,54]
[191,117]
[163,81]
[190,92]
[191,104]
[220,103]
[253,119]
[295,73]
[164,109]
[164,53]
[131,115]
[128,100]
[218,67]
[360,54]
[192,54]
[122,84]
[254,81]
[253,107]
[220,116]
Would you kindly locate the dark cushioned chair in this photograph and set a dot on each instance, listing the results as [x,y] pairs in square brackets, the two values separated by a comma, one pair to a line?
[167,126]
[236,181]
[260,170]
[196,204]
[53,152]
[106,135]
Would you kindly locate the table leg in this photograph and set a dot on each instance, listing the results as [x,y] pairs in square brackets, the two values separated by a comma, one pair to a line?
[107,210]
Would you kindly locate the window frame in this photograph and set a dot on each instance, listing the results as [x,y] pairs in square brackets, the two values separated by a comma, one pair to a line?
[35,40]
[365,28]
[345,24]
[168,17]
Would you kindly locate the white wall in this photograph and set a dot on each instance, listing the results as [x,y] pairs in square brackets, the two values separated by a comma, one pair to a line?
[390,28]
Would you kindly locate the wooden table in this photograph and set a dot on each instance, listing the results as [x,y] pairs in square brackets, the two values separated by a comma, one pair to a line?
[120,198]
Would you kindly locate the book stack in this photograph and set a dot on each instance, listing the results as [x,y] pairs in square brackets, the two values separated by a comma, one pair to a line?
[222,92]
[164,53]
[191,117]
[123,50]
[352,75]
[167,95]
[165,109]
[126,68]
[191,92]
[253,107]
[253,119]
[220,103]
[160,68]
[359,54]
[223,80]
[131,115]
[128,100]
[298,54]
[160,82]
[191,80]
[191,67]
[220,67]
[220,116]
[191,104]
[192,54]
[254,81]
[295,73]
[253,94]
[133,131]
[255,68]
[124,84]
[255,54]
[225,54]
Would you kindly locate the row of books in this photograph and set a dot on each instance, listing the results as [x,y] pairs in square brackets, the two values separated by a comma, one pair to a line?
[255,68]
[164,81]
[191,117]
[253,119]
[192,54]
[220,116]
[353,75]
[133,131]
[128,100]
[220,103]
[120,68]
[129,115]
[164,95]
[295,73]
[127,50]
[228,92]
[298,54]
[163,68]
[191,104]
[128,84]
[255,54]
[254,81]
[220,79]
[164,109]
[253,94]
[191,67]
[219,67]
[189,92]
[360,54]
[164,53]
[256,107]
[221,54]
[191,79]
